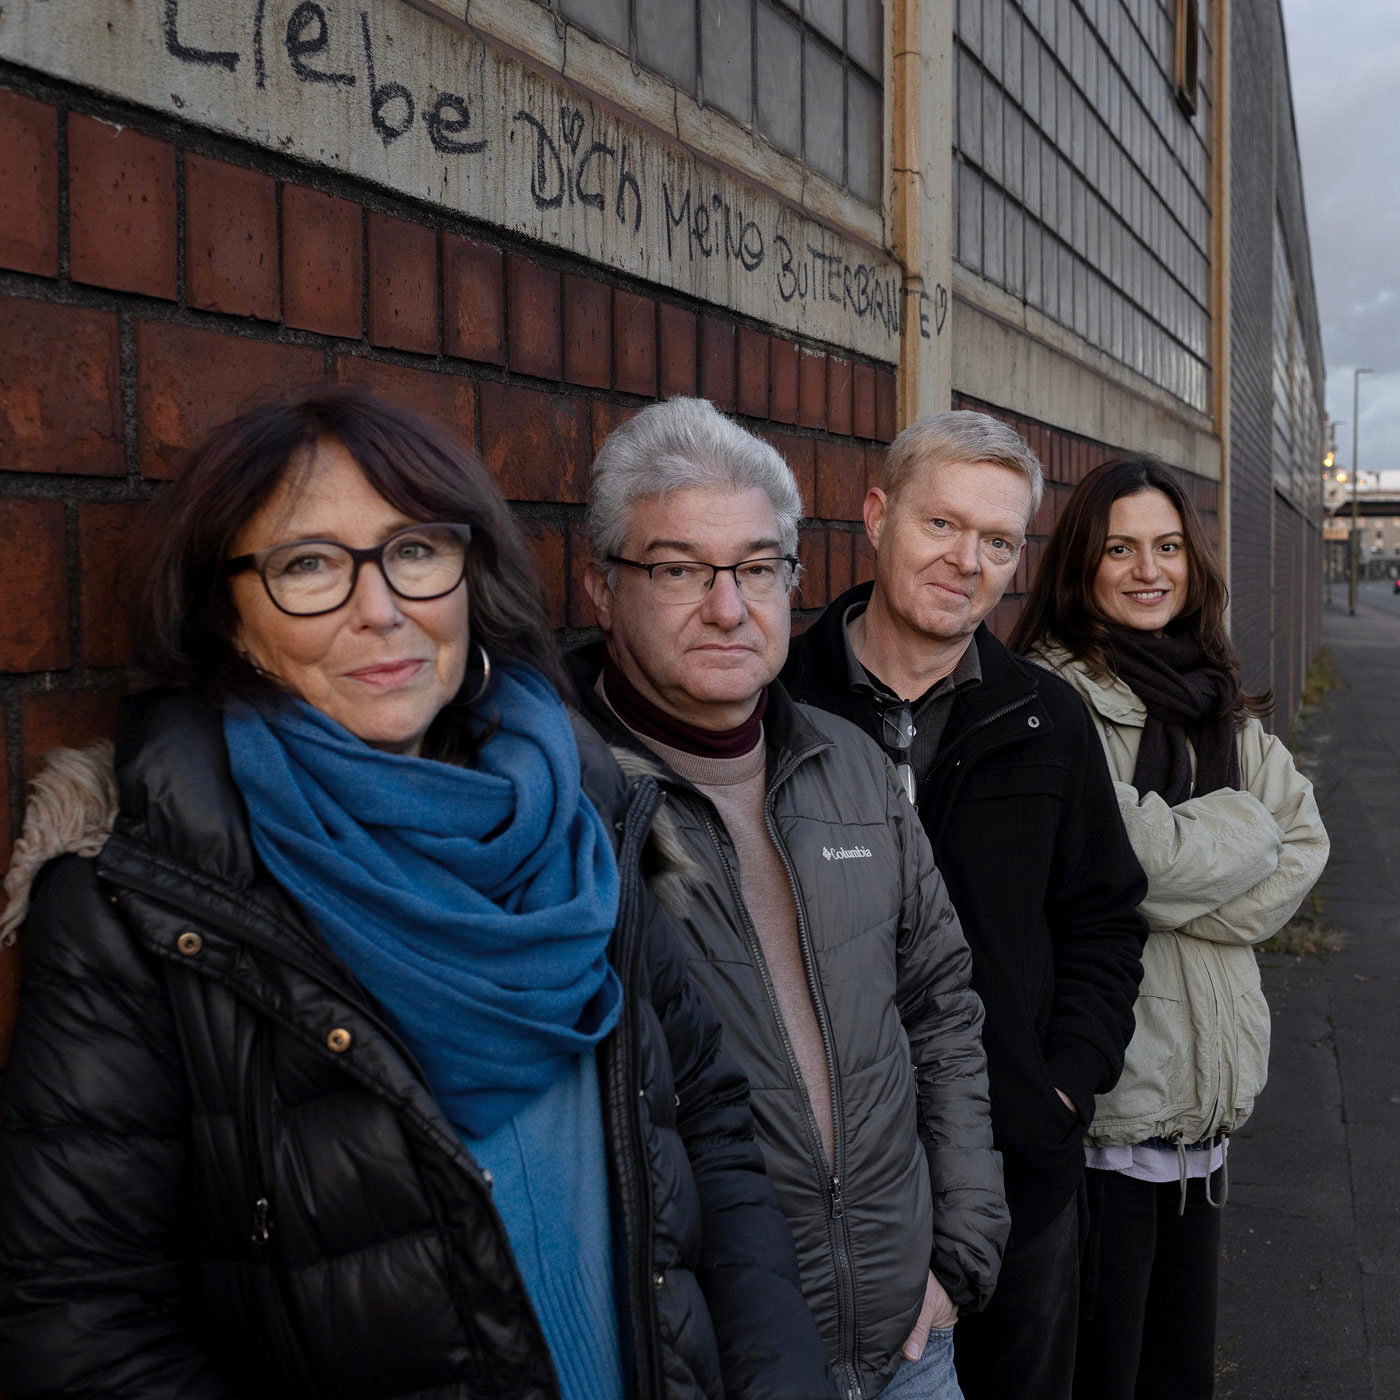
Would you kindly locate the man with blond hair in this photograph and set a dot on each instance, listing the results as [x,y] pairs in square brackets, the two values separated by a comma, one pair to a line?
[1002,764]
[815,923]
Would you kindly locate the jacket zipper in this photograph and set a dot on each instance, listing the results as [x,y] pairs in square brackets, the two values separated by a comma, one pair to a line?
[625,1083]
[964,738]
[840,1230]
[831,1184]
[263,1218]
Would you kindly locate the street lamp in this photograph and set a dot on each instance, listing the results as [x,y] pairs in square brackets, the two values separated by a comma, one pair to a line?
[1355,477]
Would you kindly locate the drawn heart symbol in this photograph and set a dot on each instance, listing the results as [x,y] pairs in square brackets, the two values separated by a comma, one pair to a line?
[940,307]
[571,123]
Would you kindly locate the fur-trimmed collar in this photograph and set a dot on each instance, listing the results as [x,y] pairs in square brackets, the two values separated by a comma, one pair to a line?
[73,805]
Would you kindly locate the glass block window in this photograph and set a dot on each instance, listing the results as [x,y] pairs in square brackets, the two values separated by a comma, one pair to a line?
[805,74]
[1297,435]
[1082,186]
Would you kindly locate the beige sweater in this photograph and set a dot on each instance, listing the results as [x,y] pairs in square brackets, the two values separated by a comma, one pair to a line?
[737,787]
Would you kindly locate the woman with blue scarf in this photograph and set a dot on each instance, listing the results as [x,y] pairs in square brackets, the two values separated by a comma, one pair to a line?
[357,1059]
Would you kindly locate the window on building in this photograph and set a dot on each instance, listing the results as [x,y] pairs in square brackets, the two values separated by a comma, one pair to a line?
[1297,417]
[805,74]
[1082,188]
[1188,52]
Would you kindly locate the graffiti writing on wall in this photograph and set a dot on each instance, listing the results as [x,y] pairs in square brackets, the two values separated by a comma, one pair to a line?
[416,101]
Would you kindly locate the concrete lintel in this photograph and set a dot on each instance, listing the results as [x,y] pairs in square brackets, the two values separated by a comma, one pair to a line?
[551,41]
[413,99]
[1010,365]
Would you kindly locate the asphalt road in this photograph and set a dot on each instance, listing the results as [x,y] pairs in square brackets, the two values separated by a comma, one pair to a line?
[1310,1266]
[1377,593]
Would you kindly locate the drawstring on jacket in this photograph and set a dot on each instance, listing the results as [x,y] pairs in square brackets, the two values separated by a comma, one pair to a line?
[1224,1172]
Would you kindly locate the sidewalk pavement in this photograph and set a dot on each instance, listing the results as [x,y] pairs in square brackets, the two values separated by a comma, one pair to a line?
[1310,1272]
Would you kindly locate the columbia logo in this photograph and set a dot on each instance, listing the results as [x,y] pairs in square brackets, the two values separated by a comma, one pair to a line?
[847,852]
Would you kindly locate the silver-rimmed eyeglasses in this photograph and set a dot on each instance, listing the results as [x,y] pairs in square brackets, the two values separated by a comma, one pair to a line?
[689,580]
[306,578]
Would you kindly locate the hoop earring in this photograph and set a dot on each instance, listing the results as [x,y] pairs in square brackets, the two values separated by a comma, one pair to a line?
[485,674]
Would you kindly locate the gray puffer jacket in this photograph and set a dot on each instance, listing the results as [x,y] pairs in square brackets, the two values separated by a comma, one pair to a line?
[916,1183]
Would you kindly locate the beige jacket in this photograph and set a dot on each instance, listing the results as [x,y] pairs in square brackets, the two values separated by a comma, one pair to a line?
[1225,870]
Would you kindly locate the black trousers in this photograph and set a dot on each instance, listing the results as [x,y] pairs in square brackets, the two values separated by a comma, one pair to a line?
[1022,1346]
[1148,1288]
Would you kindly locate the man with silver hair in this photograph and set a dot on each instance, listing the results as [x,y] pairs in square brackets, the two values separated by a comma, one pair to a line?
[816,922]
[1001,762]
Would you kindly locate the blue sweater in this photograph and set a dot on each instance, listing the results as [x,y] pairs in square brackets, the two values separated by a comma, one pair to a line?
[550,1185]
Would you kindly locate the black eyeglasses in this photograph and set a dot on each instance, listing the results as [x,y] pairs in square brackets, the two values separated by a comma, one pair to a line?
[305,578]
[897,735]
[689,580]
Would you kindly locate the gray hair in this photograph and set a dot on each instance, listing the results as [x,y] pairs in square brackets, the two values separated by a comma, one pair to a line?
[682,445]
[941,439]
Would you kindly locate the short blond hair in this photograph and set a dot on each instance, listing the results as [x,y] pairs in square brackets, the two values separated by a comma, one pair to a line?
[940,439]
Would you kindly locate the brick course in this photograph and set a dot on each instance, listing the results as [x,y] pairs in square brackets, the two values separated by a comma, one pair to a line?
[811,389]
[109,542]
[189,380]
[587,332]
[838,395]
[677,347]
[33,599]
[473,300]
[634,343]
[717,362]
[532,308]
[121,209]
[323,262]
[231,239]
[28,185]
[752,398]
[98,403]
[782,380]
[535,443]
[60,391]
[448,399]
[403,282]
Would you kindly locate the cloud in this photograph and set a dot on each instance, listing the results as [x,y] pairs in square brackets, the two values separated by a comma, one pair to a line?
[1345,69]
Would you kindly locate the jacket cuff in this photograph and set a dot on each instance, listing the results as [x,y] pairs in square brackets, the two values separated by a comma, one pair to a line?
[1081,1070]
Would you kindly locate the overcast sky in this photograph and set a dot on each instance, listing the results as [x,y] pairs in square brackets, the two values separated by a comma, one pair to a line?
[1344,58]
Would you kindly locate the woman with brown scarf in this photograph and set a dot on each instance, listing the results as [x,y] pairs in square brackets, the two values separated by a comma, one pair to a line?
[1128,605]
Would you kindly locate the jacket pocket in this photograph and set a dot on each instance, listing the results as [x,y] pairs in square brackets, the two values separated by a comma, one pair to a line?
[1159,1070]
[1247,1046]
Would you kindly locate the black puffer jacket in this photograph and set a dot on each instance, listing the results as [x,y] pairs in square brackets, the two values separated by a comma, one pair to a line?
[221,1175]
[916,1184]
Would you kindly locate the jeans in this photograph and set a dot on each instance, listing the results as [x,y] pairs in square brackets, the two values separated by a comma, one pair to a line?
[931,1377]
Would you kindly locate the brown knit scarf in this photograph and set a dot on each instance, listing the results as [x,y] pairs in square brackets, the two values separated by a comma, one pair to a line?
[1188,700]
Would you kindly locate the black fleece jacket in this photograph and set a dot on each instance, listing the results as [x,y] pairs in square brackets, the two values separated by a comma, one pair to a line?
[1020,810]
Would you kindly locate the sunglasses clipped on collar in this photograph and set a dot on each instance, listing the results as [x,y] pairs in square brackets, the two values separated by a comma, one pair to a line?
[897,735]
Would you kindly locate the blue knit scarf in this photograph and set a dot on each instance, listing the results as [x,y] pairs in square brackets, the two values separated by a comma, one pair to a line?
[475,904]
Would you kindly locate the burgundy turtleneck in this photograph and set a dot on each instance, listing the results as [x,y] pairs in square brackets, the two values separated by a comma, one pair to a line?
[643,717]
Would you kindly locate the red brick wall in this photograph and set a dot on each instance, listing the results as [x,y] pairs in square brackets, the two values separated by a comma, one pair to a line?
[154,279]
[1066,459]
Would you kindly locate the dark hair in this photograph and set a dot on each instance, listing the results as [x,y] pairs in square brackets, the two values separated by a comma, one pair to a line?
[185,620]
[1061,607]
